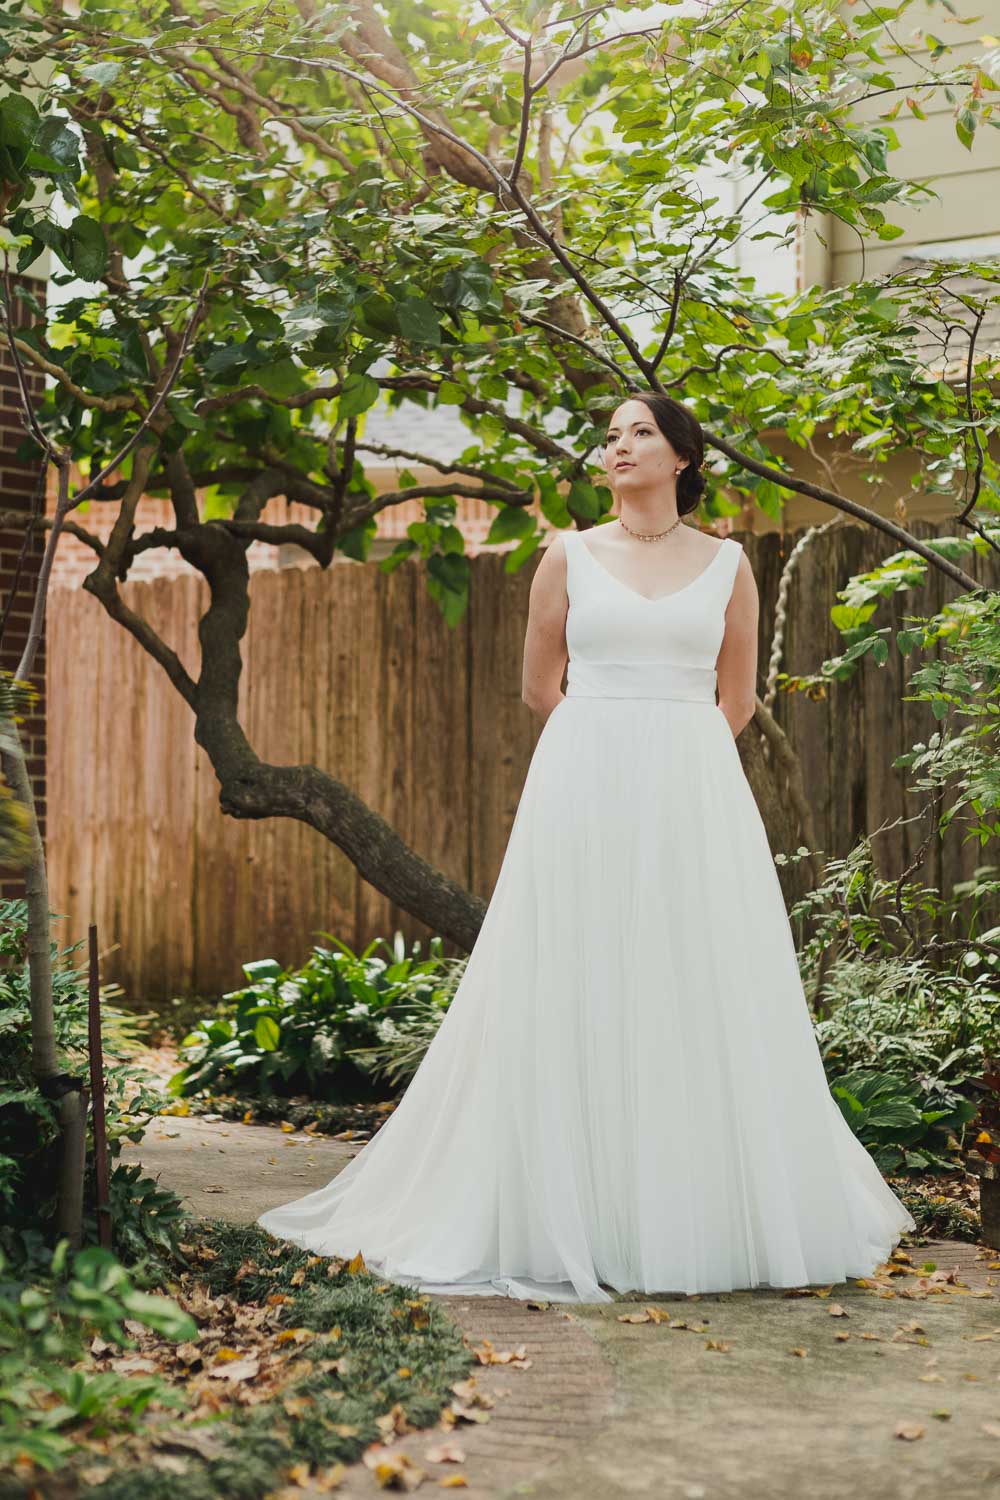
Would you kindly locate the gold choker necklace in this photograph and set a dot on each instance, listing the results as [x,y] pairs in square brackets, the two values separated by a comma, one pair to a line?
[649,536]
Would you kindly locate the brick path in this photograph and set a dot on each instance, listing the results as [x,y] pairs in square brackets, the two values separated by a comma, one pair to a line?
[542,1413]
[583,1402]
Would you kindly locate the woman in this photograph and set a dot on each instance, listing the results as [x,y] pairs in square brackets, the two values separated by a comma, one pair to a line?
[626,1092]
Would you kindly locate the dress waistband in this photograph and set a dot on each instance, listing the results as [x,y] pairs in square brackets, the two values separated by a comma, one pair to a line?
[639,679]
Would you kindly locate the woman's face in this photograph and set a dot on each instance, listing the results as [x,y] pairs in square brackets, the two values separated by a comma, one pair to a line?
[636,454]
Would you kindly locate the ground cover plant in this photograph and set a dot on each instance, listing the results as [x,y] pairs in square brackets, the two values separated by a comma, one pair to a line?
[266,1365]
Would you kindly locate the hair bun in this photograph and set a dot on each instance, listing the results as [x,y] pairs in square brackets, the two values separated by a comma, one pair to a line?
[691,485]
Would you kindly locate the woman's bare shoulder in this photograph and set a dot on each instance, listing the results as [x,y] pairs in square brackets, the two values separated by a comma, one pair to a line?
[549,578]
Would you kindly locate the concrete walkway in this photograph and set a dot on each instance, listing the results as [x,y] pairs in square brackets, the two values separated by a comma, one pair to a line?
[895,1396]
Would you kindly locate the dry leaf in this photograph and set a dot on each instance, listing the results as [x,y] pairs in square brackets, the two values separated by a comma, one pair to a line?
[802,1353]
[297,1406]
[240,1369]
[393,1423]
[393,1471]
[445,1453]
[836,1311]
[169,1463]
[908,1430]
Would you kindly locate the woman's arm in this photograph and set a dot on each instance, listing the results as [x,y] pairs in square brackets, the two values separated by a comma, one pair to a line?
[736,667]
[545,650]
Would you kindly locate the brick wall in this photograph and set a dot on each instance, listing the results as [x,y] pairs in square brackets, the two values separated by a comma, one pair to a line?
[17,484]
[74,559]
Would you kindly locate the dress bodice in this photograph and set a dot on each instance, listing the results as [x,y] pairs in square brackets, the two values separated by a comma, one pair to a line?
[610,624]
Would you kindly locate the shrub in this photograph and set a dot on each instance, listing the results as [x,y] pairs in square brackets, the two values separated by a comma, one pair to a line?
[44,1329]
[310,1030]
[145,1218]
[896,1120]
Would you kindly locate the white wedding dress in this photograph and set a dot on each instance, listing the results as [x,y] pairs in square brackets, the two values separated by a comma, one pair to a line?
[626,1092]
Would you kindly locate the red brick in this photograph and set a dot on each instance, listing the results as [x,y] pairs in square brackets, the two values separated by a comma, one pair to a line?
[18,483]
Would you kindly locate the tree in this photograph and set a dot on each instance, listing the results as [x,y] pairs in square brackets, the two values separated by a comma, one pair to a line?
[494,208]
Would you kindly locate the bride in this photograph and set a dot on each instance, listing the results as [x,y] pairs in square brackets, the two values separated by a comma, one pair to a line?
[626,1093]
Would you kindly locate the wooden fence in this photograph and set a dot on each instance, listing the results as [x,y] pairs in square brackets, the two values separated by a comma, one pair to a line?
[353,670]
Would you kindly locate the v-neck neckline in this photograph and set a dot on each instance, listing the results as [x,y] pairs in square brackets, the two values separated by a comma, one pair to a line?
[660,598]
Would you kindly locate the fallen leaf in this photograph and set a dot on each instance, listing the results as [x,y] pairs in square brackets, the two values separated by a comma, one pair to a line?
[393,1470]
[297,1406]
[908,1430]
[169,1463]
[393,1423]
[468,1390]
[239,1369]
[133,1365]
[445,1453]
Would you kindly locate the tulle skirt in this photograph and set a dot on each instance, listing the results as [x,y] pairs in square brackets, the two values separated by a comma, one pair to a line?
[626,1092]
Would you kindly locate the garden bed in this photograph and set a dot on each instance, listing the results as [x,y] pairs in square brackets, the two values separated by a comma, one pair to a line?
[299,1366]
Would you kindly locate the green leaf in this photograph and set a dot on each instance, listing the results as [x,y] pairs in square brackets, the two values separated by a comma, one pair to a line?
[584,499]
[56,141]
[102,72]
[418,321]
[510,523]
[282,378]
[358,394]
[266,1033]
[161,1314]
[88,250]
[965,127]
[261,968]
[18,123]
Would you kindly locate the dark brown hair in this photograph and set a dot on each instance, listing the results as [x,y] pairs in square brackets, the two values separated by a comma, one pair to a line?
[682,430]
